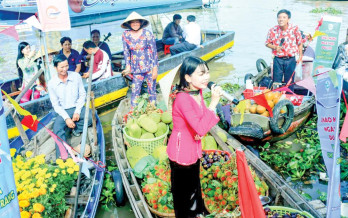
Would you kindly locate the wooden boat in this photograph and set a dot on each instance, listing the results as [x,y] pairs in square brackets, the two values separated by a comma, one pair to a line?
[42,143]
[114,88]
[280,191]
[256,128]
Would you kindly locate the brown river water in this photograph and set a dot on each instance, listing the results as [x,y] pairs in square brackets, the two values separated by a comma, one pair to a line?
[250,19]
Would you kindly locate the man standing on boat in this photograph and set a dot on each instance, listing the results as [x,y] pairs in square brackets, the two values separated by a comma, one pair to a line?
[192,35]
[286,42]
[68,96]
[102,63]
[173,33]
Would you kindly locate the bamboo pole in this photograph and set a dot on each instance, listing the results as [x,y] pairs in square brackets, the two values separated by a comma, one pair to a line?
[94,120]
[84,133]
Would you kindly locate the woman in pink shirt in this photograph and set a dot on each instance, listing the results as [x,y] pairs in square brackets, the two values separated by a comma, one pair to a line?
[191,121]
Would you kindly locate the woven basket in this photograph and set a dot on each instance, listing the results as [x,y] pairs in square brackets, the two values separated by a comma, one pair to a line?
[148,144]
[283,210]
[160,214]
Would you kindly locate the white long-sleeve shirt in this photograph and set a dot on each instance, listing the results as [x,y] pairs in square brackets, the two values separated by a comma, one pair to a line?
[192,33]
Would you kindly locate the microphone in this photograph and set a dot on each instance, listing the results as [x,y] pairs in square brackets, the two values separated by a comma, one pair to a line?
[281,42]
[225,94]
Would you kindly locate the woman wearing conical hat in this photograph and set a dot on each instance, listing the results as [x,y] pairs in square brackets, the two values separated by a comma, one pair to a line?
[140,53]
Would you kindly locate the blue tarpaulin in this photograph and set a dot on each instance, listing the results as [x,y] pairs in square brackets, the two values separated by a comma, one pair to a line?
[106,12]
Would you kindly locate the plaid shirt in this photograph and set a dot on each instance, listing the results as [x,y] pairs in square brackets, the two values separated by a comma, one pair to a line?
[292,36]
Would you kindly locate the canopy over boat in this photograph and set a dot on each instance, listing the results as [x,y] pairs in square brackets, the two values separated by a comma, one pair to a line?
[107,12]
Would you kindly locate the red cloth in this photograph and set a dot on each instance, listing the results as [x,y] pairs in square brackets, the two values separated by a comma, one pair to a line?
[261,100]
[11,31]
[249,201]
[189,120]
[292,38]
[344,131]
[29,122]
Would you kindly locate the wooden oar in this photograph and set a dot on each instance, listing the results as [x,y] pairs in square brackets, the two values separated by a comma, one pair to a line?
[84,133]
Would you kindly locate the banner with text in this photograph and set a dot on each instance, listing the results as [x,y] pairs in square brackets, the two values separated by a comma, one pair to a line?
[54,15]
[328,109]
[8,194]
[327,44]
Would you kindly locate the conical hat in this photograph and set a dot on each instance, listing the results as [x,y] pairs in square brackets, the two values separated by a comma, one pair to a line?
[134,16]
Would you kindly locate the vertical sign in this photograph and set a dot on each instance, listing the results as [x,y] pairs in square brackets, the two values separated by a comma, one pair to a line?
[54,15]
[8,194]
[328,109]
[327,45]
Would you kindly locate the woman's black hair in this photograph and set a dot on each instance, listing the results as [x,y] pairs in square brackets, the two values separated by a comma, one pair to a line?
[189,65]
[20,55]
[65,38]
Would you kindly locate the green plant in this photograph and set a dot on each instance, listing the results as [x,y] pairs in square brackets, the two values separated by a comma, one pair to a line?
[328,10]
[108,192]
[227,87]
[322,195]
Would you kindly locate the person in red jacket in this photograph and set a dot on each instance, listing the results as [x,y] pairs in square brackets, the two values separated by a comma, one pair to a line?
[191,121]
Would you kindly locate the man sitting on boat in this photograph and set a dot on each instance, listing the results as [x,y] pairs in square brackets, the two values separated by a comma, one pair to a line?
[285,40]
[192,35]
[95,35]
[173,33]
[102,64]
[68,96]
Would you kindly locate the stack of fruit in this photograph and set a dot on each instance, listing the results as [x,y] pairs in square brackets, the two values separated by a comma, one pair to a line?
[156,188]
[148,126]
[274,214]
[219,180]
[253,108]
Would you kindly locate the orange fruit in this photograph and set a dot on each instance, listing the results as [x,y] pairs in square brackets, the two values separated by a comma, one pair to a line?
[270,103]
[266,90]
[269,95]
[266,114]
[236,110]
[275,100]
[282,111]
[260,109]
[252,108]
[277,94]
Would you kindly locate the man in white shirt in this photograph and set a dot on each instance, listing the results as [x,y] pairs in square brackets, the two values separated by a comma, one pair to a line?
[192,35]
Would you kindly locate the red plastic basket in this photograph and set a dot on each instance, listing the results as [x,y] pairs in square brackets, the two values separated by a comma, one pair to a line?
[248,93]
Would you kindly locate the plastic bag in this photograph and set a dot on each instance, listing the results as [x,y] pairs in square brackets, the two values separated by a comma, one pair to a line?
[143,166]
[298,71]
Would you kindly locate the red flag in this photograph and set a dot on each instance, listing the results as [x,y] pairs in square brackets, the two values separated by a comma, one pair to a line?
[11,31]
[249,201]
[344,131]
[29,122]
[261,100]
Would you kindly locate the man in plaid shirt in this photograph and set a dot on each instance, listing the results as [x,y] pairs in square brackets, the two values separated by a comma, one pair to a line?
[286,42]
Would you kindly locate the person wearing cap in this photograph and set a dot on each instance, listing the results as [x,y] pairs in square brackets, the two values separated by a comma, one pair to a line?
[140,54]
[285,40]
[192,35]
[173,33]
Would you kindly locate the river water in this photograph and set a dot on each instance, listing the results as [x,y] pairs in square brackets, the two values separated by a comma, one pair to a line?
[250,19]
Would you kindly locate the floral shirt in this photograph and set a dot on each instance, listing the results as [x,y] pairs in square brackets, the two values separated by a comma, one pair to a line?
[140,54]
[29,68]
[292,36]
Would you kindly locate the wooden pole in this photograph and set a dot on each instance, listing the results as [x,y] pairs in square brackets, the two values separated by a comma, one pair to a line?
[84,133]
[94,120]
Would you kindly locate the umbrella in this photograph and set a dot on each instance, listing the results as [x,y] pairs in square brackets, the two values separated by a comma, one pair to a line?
[249,201]
[166,83]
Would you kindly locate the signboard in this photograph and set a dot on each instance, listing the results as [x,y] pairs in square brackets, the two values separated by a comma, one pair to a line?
[54,15]
[8,194]
[328,109]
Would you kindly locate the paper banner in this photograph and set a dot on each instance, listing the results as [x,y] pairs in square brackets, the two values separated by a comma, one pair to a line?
[318,33]
[333,77]
[11,31]
[62,150]
[308,83]
[261,100]
[17,107]
[241,106]
[32,21]
[30,122]
[54,15]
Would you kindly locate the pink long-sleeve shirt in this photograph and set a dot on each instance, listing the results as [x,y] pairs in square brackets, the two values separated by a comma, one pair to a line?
[189,119]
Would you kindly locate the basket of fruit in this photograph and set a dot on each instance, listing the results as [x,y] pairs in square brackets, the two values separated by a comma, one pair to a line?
[219,181]
[148,130]
[285,212]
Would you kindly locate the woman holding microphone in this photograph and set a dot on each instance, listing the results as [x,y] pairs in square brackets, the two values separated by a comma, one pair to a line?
[191,121]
